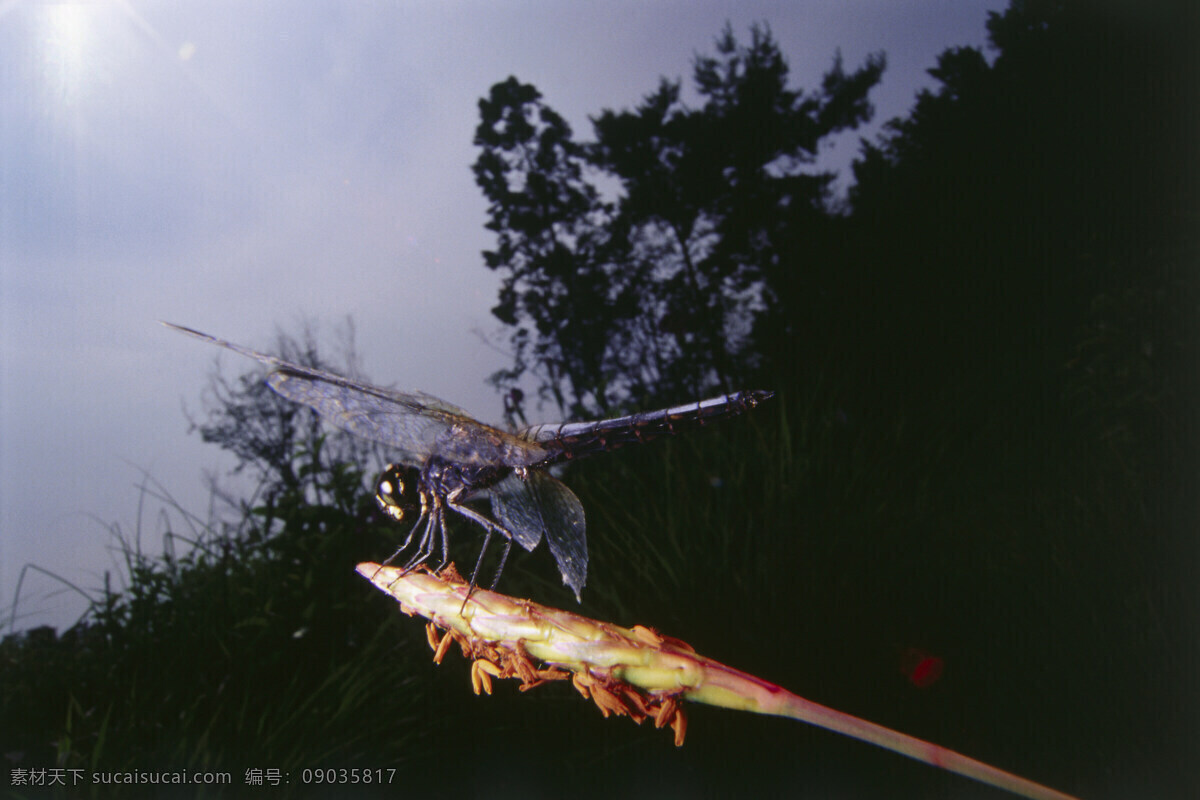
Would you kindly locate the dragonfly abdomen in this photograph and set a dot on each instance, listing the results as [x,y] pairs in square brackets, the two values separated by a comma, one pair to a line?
[570,440]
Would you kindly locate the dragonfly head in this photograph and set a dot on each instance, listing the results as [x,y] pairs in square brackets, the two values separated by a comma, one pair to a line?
[396,491]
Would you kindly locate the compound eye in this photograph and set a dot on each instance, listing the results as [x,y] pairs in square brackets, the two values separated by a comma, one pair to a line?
[396,491]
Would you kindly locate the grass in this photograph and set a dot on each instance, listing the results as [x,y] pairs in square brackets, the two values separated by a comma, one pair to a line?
[810,542]
[247,652]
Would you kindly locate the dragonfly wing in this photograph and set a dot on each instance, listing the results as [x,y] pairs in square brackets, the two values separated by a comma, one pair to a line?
[539,505]
[566,529]
[515,508]
[408,421]
[416,424]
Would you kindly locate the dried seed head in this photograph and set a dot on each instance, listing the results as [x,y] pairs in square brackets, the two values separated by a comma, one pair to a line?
[634,672]
[509,638]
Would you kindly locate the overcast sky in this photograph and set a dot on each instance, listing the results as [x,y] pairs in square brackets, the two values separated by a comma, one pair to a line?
[238,167]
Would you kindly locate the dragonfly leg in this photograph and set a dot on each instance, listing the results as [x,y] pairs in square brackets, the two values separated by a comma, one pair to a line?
[445,545]
[436,524]
[408,540]
[487,537]
[503,560]
[489,527]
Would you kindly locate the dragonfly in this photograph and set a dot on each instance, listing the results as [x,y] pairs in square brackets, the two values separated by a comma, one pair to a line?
[445,459]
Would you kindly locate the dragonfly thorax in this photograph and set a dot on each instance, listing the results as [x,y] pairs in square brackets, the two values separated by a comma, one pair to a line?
[444,477]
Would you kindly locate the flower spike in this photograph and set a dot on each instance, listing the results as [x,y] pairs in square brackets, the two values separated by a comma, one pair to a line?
[634,672]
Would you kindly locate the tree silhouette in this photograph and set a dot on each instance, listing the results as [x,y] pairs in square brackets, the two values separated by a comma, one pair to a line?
[1026,205]
[661,285]
[548,220]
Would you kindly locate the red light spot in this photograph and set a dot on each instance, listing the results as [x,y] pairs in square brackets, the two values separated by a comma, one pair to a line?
[921,668]
[927,672]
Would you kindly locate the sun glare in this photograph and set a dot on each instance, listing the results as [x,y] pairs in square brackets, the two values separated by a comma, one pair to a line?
[64,42]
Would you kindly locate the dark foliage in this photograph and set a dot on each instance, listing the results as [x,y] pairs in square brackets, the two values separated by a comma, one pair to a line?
[661,287]
[1020,197]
